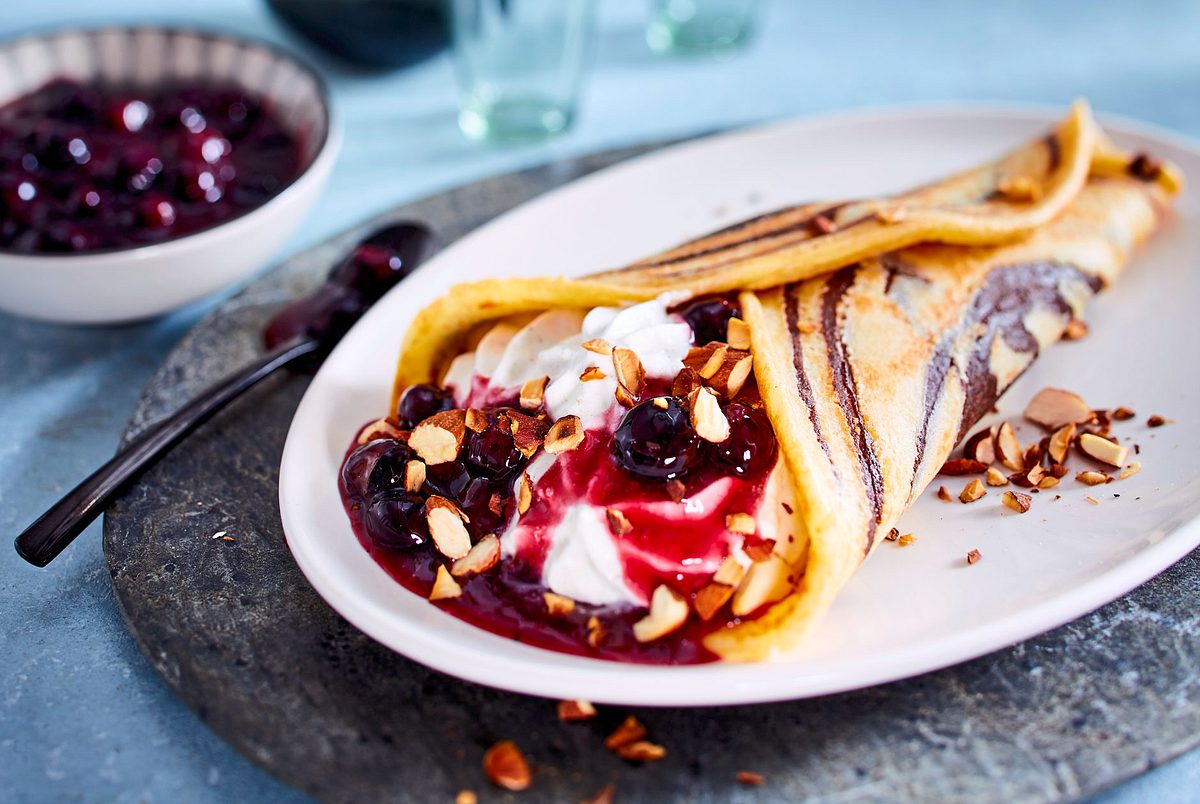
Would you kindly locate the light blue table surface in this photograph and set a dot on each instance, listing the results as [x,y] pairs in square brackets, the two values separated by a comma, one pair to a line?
[82,716]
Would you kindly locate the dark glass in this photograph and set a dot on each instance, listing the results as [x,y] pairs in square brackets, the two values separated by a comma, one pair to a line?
[376,34]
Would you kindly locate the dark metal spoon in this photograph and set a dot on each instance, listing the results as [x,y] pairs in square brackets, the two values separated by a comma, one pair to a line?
[302,334]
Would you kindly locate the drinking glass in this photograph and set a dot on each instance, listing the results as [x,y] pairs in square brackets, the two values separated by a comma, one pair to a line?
[700,26]
[520,64]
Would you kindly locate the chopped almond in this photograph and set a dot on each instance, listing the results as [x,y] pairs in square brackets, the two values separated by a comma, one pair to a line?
[676,490]
[598,346]
[972,492]
[962,466]
[624,398]
[1077,329]
[1047,482]
[438,438]
[466,797]
[444,586]
[906,539]
[732,374]
[1057,470]
[564,435]
[730,572]
[618,523]
[505,765]
[660,402]
[1103,450]
[741,523]
[1017,501]
[764,582]
[532,393]
[761,550]
[414,476]
[446,527]
[1129,471]
[1060,442]
[974,556]
[687,381]
[995,477]
[980,447]
[574,711]
[891,215]
[1158,421]
[706,360]
[1054,407]
[595,632]
[592,373]
[668,613]
[1008,448]
[1030,477]
[738,334]
[711,598]
[642,751]
[892,535]
[476,420]
[1123,414]
[630,731]
[527,430]
[558,605]
[381,428]
[1092,500]
[605,796]
[707,417]
[524,493]
[630,373]
[943,494]
[480,558]
[1091,478]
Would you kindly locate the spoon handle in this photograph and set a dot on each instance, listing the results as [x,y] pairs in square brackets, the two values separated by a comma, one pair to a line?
[54,530]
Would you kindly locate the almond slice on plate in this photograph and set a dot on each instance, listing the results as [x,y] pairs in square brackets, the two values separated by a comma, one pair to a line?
[1054,407]
[1103,450]
[1008,448]
[1017,501]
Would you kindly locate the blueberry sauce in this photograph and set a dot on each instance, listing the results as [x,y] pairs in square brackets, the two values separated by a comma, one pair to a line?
[98,167]
[675,490]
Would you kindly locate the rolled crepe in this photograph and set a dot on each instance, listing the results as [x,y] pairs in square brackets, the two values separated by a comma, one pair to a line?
[876,344]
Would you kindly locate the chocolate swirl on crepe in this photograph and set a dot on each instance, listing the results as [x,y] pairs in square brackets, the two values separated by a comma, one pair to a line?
[881,330]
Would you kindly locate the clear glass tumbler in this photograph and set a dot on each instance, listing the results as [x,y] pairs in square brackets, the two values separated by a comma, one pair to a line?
[520,64]
[700,26]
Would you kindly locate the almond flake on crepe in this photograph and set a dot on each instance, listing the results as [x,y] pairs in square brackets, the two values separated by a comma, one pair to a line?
[974,556]
[480,558]
[446,527]
[564,435]
[730,572]
[558,605]
[1020,188]
[380,428]
[629,370]
[630,731]
[741,523]
[1008,448]
[532,393]
[439,438]
[687,381]
[995,477]
[598,346]
[710,598]
[1103,450]
[1092,478]
[764,582]
[738,334]
[414,476]
[592,373]
[750,778]
[668,612]
[1053,407]
[972,492]
[505,765]
[892,214]
[707,417]
[524,493]
[444,586]
[760,551]
[1060,442]
[574,711]
[1017,501]
[642,751]
[1077,329]
[1129,471]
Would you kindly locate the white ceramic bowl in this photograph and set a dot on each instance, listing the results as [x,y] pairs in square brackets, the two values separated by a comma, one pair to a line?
[143,281]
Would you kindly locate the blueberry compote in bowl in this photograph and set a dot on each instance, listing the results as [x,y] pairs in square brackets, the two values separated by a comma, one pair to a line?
[144,168]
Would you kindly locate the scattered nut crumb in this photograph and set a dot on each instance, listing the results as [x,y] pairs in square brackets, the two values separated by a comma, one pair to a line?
[1017,501]
[1092,500]
[1123,413]
[505,765]
[738,333]
[740,523]
[750,778]
[466,797]
[444,586]
[631,730]
[1077,329]
[1093,478]
[598,346]
[604,796]
[1129,471]
[573,711]
[995,477]
[944,495]
[972,492]
[618,523]
[906,540]
[892,535]
[974,556]
[558,605]
[642,751]
[1158,421]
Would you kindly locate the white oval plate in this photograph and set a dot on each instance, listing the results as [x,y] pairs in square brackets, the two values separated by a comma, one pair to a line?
[908,610]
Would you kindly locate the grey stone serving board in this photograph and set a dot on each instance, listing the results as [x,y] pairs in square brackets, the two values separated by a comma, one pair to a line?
[238,634]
